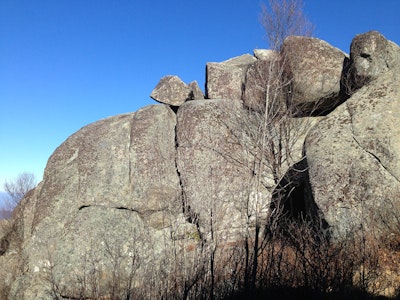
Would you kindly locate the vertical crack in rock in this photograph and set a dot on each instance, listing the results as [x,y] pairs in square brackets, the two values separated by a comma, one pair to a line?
[183,195]
[371,154]
[189,215]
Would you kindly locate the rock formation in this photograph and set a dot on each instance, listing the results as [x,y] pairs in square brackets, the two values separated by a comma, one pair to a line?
[137,200]
[353,154]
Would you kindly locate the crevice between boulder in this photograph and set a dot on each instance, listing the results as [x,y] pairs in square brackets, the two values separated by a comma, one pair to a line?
[182,194]
[189,214]
[293,198]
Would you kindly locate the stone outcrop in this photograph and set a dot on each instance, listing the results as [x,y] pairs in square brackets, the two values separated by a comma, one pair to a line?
[225,80]
[144,197]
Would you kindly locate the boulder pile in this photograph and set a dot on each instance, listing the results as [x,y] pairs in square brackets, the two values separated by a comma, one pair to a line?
[143,196]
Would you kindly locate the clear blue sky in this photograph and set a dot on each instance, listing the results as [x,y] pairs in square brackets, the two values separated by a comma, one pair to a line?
[67,63]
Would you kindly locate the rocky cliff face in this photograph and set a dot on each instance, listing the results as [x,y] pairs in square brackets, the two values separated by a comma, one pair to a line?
[136,199]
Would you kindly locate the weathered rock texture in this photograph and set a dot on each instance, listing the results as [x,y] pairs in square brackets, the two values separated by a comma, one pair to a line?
[197,93]
[131,201]
[265,54]
[314,68]
[110,192]
[215,167]
[225,79]
[353,154]
[261,88]
[172,90]
[371,54]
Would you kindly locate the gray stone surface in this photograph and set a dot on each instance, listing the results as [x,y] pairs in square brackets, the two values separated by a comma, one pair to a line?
[371,54]
[215,167]
[265,54]
[171,90]
[315,69]
[109,191]
[225,79]
[261,86]
[197,93]
[353,156]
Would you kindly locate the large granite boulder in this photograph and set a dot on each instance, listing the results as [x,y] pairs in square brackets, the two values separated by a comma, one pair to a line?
[109,204]
[314,68]
[224,80]
[354,157]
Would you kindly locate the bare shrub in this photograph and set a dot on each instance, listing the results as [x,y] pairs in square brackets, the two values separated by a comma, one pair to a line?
[271,140]
[5,213]
[283,18]
[18,187]
[111,278]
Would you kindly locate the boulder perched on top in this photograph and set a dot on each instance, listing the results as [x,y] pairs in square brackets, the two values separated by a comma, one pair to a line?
[314,68]
[225,79]
[171,90]
[371,54]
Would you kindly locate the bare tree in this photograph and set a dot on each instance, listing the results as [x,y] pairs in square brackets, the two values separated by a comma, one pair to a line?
[15,190]
[269,133]
[271,140]
[18,187]
[283,18]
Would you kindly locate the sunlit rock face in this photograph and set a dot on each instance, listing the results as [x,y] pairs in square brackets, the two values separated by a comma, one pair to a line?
[353,153]
[172,90]
[315,69]
[140,200]
[224,80]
